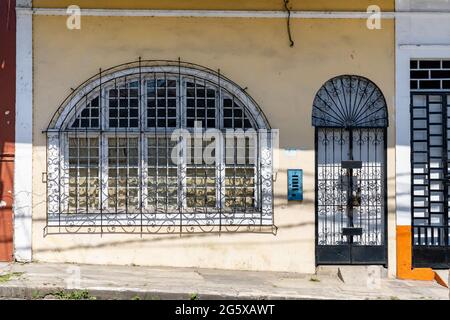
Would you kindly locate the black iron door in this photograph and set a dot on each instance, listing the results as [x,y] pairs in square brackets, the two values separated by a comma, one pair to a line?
[350,116]
[430,146]
[351,196]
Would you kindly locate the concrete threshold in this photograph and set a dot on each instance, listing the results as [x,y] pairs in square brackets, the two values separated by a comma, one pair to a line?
[70,281]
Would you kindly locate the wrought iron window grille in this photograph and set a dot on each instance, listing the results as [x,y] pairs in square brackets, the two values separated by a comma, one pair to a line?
[118,150]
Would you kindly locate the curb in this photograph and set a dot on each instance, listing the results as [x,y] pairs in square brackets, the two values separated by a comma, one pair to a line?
[39,293]
[46,293]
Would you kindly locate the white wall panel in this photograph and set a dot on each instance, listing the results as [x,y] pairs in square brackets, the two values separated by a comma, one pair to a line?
[417,37]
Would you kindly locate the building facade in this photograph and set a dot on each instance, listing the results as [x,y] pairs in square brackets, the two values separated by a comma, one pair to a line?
[121,104]
[422,81]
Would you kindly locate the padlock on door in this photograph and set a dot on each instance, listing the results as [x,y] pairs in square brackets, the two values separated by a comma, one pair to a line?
[356,197]
[356,192]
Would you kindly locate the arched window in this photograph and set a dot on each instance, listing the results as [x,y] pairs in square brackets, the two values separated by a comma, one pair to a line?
[156,147]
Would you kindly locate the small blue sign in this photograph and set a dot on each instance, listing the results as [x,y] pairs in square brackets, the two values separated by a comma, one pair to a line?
[295,185]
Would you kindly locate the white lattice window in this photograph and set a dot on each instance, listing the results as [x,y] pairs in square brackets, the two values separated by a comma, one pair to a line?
[159,149]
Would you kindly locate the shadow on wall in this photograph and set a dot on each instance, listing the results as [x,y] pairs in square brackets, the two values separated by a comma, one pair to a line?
[308,146]
[177,237]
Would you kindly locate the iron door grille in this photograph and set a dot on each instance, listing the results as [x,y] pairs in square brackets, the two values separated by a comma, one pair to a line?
[430,179]
[361,190]
[351,118]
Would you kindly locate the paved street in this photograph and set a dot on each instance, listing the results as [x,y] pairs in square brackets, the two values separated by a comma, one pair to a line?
[48,281]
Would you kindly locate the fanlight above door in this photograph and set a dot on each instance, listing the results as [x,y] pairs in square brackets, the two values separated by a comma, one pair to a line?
[349,102]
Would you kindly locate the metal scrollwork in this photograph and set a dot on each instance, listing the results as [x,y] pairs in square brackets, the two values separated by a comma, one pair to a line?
[349,102]
[110,166]
[350,116]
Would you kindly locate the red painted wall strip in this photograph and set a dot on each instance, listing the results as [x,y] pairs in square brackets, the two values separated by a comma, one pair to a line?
[7,124]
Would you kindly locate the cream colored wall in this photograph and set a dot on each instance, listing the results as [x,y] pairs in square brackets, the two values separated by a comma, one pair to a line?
[252,52]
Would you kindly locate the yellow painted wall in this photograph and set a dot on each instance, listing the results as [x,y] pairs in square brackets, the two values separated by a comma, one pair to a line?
[252,52]
[327,5]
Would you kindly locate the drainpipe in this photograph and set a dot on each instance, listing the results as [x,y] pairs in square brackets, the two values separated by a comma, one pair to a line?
[24,138]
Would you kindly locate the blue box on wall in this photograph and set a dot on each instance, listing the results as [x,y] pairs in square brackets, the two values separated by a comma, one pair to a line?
[295,185]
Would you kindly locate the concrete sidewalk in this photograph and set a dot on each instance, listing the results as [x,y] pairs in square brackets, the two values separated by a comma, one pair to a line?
[46,281]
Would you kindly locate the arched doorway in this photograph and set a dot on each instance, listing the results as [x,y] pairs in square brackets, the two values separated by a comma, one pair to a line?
[350,117]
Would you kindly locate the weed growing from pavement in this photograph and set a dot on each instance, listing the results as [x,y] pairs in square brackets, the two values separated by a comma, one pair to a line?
[36,295]
[194,296]
[74,295]
[64,295]
[10,276]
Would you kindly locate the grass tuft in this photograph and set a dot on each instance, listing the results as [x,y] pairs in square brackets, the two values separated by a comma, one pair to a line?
[10,276]
[73,295]
[194,296]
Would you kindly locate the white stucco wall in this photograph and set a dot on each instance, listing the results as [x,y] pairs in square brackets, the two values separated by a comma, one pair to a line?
[424,35]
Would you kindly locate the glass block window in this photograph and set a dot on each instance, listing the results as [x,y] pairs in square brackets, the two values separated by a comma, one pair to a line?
[234,116]
[201,182]
[123,174]
[89,116]
[162,174]
[201,108]
[240,173]
[124,106]
[162,101]
[141,156]
[83,178]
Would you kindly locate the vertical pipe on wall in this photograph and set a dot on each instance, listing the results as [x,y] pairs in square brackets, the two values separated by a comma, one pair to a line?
[24,108]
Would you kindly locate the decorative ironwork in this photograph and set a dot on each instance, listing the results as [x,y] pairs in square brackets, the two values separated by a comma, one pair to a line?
[350,116]
[126,154]
[333,193]
[350,102]
[430,179]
